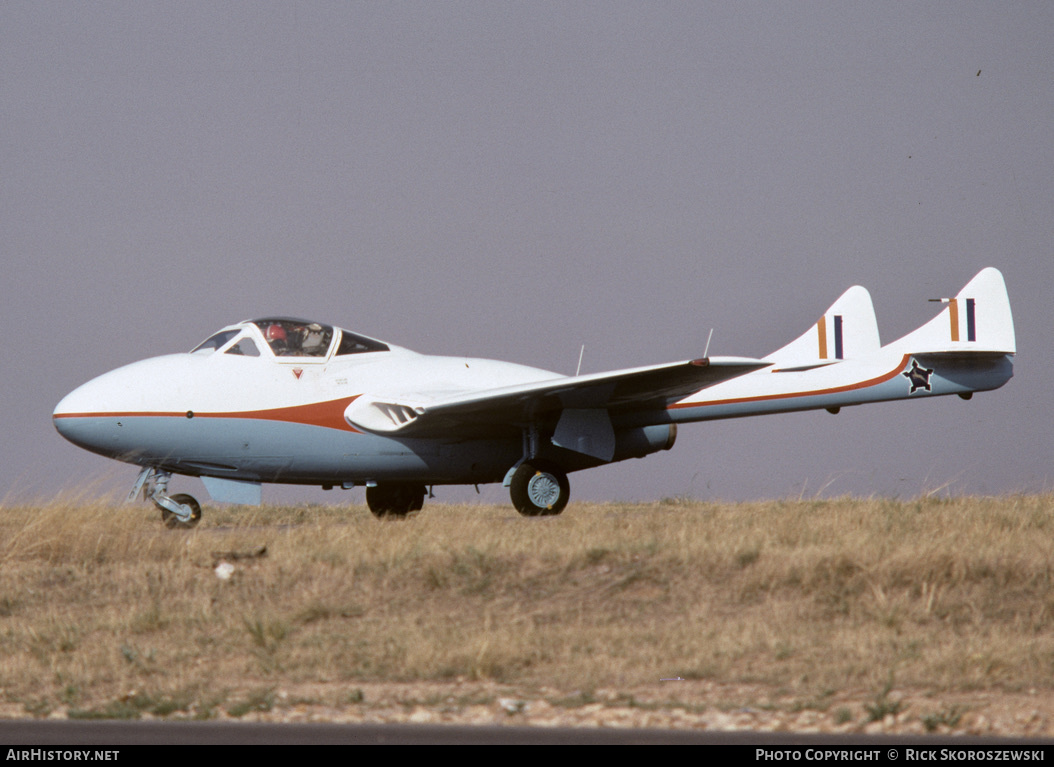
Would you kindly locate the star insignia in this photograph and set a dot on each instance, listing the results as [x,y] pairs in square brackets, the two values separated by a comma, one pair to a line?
[918,376]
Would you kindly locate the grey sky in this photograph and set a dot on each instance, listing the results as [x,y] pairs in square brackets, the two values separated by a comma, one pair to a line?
[513,180]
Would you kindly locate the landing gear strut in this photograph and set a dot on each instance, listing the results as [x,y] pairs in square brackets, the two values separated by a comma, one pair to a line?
[395,500]
[180,511]
[539,489]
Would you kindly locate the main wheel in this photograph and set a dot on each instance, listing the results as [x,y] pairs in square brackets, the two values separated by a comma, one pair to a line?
[539,489]
[395,500]
[175,523]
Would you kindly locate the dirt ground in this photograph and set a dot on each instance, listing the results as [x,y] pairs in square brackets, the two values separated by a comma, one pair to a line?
[667,705]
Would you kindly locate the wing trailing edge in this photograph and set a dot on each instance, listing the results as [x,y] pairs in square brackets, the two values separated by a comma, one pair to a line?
[645,388]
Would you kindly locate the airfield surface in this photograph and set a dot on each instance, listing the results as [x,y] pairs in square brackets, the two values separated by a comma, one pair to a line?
[918,616]
[691,706]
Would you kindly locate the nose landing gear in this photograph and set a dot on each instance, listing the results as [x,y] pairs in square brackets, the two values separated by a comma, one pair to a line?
[186,502]
[179,512]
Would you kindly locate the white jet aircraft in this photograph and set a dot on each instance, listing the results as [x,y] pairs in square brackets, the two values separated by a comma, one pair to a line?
[298,402]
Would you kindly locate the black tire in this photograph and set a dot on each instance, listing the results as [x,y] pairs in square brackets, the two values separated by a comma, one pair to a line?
[395,500]
[539,490]
[172,522]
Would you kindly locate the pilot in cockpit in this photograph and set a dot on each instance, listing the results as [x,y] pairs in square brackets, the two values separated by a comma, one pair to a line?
[294,339]
[314,340]
[276,337]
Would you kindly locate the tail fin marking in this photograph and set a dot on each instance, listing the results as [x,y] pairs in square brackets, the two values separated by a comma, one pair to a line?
[847,330]
[978,319]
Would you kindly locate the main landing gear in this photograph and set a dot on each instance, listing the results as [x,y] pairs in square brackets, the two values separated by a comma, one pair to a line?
[539,489]
[179,511]
[395,499]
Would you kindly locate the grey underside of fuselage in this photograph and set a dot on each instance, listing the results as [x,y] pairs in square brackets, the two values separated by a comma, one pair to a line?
[272,451]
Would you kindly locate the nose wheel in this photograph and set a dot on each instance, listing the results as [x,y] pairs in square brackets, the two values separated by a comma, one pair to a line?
[178,512]
[188,505]
[539,489]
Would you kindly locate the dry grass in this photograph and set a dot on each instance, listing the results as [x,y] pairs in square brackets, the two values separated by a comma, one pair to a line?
[103,612]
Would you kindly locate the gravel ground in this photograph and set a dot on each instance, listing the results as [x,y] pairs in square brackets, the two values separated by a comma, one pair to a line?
[670,705]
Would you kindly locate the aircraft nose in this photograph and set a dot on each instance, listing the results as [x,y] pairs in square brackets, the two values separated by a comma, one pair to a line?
[73,403]
[90,416]
[79,418]
[69,426]
[98,416]
[88,399]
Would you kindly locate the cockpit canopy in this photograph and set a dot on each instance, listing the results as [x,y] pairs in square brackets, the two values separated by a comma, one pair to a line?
[293,338]
[288,337]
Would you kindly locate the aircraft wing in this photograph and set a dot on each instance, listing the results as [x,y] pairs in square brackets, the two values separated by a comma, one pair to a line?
[644,388]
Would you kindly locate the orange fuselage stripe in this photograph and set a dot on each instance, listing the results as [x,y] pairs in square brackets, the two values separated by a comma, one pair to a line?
[331,414]
[792,395]
[326,414]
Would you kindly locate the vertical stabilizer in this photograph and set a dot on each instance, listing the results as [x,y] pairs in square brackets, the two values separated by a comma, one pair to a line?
[847,330]
[978,319]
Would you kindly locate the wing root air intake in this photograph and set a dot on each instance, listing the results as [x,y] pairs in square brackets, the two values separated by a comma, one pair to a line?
[374,415]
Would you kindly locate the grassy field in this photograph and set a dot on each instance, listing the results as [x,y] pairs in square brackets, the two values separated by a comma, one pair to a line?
[856,611]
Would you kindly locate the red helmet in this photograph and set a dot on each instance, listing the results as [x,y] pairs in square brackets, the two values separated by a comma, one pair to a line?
[275,333]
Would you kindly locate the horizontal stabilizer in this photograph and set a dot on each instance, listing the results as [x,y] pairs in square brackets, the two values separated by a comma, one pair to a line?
[978,319]
[847,330]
